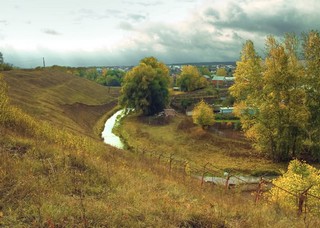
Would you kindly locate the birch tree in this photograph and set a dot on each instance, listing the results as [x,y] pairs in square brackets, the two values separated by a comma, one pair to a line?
[270,98]
[311,48]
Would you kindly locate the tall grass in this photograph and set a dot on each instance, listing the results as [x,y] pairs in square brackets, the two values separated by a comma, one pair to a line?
[50,177]
[188,142]
[54,177]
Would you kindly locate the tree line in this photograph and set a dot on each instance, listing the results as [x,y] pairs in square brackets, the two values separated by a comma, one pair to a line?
[278,97]
[102,76]
[3,65]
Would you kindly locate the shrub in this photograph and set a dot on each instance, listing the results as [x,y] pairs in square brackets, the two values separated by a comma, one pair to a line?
[203,115]
[299,178]
[6,67]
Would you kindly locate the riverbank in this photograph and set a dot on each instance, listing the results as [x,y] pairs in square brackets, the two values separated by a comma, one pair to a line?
[56,173]
[187,142]
[99,125]
[108,135]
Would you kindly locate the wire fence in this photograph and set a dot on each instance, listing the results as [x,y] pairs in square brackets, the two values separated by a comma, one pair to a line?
[208,173]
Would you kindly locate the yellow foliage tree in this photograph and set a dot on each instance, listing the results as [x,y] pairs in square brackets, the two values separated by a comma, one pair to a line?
[270,98]
[190,79]
[299,178]
[222,72]
[311,46]
[203,115]
[145,87]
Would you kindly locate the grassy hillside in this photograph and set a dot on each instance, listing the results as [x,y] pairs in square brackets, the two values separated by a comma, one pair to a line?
[63,99]
[55,172]
[186,141]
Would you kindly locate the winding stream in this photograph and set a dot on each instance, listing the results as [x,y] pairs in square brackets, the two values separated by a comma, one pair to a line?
[114,140]
[107,135]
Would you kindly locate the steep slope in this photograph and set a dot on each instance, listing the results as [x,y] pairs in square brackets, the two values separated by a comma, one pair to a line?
[66,100]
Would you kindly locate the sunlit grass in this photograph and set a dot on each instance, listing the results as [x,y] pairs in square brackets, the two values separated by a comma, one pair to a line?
[60,98]
[197,146]
[62,175]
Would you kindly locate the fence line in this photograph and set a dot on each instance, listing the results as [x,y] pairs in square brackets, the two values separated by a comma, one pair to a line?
[200,171]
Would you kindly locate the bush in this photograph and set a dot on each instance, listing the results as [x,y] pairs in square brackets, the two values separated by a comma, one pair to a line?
[6,67]
[299,177]
[237,126]
[203,115]
[227,116]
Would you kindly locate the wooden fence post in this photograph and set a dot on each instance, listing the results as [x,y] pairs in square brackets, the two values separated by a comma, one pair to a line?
[204,173]
[159,158]
[301,200]
[227,181]
[185,167]
[170,163]
[259,190]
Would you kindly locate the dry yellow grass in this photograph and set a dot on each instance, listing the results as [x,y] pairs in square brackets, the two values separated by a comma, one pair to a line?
[60,98]
[196,145]
[53,177]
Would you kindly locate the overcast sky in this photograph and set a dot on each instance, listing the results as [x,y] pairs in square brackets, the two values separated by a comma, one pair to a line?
[121,32]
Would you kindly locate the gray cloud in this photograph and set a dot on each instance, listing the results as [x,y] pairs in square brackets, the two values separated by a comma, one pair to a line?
[213,31]
[3,22]
[137,17]
[125,26]
[171,45]
[216,34]
[275,20]
[86,14]
[113,13]
[51,32]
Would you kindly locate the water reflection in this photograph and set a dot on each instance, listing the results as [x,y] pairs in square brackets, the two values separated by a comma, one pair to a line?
[107,135]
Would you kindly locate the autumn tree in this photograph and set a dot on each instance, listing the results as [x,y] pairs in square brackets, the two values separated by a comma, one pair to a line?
[248,76]
[284,105]
[203,115]
[145,87]
[204,70]
[222,71]
[247,89]
[300,178]
[190,79]
[270,100]
[311,47]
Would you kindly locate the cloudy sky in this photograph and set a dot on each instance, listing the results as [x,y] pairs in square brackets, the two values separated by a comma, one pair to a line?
[121,32]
